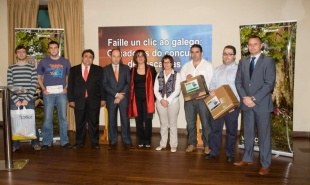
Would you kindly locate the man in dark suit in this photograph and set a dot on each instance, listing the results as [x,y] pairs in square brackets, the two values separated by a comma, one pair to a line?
[86,96]
[255,81]
[116,82]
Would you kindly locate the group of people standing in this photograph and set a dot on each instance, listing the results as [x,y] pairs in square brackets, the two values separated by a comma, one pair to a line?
[135,92]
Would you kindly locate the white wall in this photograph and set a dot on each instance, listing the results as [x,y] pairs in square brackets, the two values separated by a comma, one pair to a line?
[225,17]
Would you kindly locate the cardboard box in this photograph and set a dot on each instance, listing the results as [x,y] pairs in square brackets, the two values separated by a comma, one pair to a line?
[223,101]
[194,88]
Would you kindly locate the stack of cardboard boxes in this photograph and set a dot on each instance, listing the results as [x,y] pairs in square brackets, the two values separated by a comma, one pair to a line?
[218,105]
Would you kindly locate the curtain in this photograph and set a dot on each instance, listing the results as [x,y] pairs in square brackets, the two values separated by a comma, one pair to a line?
[68,14]
[21,14]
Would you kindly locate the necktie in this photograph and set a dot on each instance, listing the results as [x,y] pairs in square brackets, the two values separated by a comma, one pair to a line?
[85,78]
[252,65]
[116,72]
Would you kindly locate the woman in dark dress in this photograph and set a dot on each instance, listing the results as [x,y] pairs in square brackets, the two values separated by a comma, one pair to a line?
[142,99]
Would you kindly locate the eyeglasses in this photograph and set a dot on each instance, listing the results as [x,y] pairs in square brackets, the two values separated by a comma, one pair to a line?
[228,54]
[20,51]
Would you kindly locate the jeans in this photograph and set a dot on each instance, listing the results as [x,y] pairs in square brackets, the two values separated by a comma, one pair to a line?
[231,123]
[60,101]
[192,108]
[16,143]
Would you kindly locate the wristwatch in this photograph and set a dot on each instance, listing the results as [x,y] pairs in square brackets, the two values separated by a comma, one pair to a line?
[253,99]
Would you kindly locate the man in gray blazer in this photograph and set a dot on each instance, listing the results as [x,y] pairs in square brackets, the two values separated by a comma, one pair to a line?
[116,82]
[255,81]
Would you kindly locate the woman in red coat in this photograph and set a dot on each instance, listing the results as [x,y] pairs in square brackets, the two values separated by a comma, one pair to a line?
[142,99]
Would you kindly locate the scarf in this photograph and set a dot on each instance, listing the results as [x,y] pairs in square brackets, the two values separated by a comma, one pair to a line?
[166,88]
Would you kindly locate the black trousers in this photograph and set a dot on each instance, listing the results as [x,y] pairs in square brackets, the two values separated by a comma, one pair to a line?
[143,122]
[90,116]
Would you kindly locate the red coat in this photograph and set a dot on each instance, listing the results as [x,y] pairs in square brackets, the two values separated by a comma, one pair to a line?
[149,90]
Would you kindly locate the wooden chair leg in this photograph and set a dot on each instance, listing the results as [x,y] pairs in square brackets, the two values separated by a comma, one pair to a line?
[199,135]
[104,138]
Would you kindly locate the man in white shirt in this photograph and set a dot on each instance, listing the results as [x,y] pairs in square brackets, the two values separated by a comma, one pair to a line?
[197,66]
[225,74]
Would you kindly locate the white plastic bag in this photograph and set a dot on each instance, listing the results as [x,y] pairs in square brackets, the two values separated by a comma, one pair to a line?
[23,124]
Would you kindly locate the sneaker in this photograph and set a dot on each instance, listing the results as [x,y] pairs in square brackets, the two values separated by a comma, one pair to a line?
[173,149]
[37,147]
[140,146]
[207,150]
[67,146]
[190,148]
[148,147]
[160,148]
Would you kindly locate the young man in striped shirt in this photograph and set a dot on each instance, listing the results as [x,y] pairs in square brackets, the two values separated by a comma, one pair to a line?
[23,74]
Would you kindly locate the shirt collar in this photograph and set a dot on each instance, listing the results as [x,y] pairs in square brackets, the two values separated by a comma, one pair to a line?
[230,65]
[83,66]
[257,56]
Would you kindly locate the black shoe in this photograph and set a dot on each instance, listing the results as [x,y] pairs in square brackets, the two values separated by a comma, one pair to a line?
[129,146]
[111,146]
[76,146]
[44,147]
[230,159]
[67,146]
[208,156]
[141,146]
[95,146]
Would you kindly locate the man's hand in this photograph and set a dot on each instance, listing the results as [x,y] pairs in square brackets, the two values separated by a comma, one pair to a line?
[25,103]
[18,104]
[64,91]
[117,100]
[247,100]
[212,93]
[188,77]
[120,95]
[71,104]
[45,92]
[103,103]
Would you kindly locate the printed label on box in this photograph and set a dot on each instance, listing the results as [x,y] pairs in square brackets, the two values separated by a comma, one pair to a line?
[191,86]
[213,103]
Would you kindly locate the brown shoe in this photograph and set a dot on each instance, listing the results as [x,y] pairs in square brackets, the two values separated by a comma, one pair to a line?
[243,163]
[129,146]
[190,148]
[207,150]
[264,171]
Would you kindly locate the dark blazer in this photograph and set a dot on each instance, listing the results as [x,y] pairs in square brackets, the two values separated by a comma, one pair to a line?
[261,84]
[77,87]
[111,86]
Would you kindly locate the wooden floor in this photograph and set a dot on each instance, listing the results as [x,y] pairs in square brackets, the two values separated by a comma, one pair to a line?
[90,166]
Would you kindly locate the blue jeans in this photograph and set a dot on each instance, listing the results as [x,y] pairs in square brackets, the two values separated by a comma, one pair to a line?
[16,143]
[192,108]
[60,101]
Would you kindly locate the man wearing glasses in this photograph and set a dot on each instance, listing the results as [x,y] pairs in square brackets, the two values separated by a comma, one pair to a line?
[225,74]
